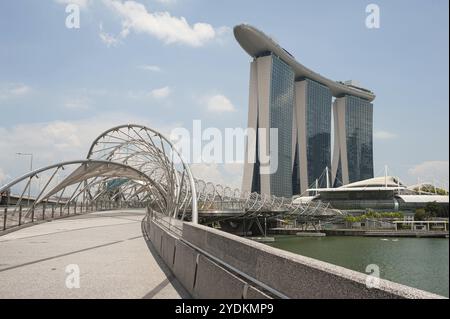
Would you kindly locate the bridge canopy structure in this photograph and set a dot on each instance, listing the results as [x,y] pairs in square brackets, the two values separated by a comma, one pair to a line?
[136,166]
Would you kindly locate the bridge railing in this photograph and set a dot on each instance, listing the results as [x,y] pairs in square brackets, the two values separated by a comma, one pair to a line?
[18,215]
[171,224]
[220,205]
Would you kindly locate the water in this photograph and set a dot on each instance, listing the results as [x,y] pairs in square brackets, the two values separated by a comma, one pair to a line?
[417,262]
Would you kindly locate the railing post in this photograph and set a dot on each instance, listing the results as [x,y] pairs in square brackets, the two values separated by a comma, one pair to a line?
[75,208]
[20,215]
[5,215]
[68,208]
[43,210]
[60,210]
[32,214]
[53,211]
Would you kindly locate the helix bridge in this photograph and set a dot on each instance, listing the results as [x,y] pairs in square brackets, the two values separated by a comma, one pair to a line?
[133,166]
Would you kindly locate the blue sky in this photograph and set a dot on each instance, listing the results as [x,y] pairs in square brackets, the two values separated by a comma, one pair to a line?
[141,62]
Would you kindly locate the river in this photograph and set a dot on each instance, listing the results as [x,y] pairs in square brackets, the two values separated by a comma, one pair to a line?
[417,262]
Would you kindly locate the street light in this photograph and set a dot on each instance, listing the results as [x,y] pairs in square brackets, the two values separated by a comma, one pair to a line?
[31,169]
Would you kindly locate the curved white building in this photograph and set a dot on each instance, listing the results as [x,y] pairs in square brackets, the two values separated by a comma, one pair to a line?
[297,101]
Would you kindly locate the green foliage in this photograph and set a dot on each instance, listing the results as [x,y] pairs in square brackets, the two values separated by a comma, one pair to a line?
[421,214]
[432,209]
[374,215]
[351,219]
[436,210]
[431,189]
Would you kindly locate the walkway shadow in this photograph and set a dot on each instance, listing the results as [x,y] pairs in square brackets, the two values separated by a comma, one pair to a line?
[171,279]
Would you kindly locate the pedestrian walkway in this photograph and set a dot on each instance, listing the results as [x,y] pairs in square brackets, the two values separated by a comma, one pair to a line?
[106,248]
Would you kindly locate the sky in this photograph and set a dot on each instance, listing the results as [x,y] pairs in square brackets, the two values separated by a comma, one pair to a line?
[166,63]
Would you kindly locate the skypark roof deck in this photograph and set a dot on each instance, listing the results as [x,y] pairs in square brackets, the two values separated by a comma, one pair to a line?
[256,44]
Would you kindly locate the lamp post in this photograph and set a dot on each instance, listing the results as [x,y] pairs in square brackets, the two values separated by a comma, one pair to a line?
[31,169]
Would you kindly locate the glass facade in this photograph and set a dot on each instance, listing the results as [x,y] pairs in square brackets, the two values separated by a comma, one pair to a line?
[295,172]
[318,130]
[256,180]
[281,112]
[358,124]
[274,89]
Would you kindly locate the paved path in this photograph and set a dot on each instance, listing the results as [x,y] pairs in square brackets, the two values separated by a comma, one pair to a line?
[108,247]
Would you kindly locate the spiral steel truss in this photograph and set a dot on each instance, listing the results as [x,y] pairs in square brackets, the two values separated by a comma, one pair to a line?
[151,153]
[69,188]
[136,166]
[172,189]
[217,198]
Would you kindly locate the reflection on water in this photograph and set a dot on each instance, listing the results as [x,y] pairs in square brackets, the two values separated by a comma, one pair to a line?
[416,262]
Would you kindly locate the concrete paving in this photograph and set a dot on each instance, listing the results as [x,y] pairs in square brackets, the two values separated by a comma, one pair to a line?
[108,248]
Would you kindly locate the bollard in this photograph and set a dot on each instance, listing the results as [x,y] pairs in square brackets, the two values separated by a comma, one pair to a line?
[5,214]
[20,215]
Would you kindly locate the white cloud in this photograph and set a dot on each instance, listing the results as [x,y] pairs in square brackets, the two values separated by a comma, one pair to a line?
[224,34]
[166,1]
[152,68]
[11,90]
[431,170]
[20,89]
[2,177]
[384,135]
[219,104]
[108,39]
[225,174]
[161,25]
[161,93]
[81,3]
[58,141]
[77,104]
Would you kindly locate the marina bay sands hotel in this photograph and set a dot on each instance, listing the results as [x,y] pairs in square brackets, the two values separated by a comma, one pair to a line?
[301,104]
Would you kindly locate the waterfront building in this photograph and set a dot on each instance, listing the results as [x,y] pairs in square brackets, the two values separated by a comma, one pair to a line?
[271,106]
[297,101]
[353,140]
[311,135]
[384,193]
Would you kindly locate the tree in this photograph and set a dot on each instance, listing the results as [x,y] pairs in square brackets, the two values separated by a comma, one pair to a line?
[420,214]
[433,209]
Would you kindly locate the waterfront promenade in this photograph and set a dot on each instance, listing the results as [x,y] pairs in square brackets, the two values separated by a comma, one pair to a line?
[113,258]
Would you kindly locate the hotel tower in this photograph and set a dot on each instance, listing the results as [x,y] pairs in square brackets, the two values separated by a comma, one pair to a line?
[298,103]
